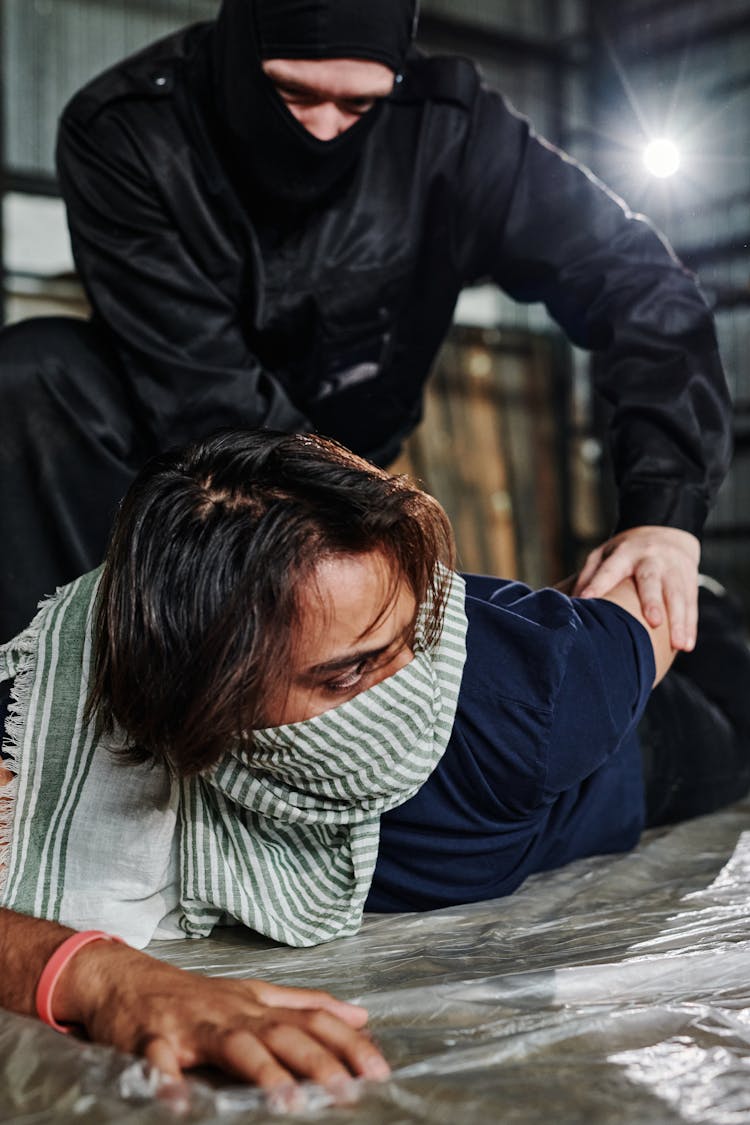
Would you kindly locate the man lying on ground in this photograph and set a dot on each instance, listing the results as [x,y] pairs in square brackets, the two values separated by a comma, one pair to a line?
[278,706]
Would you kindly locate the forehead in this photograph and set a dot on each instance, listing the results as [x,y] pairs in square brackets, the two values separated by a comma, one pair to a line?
[334,78]
[350,599]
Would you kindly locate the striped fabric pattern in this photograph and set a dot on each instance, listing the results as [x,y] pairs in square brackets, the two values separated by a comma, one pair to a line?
[283,840]
[49,662]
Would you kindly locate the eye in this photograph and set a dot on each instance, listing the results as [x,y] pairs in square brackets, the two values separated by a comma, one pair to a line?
[349,680]
[358,106]
[293,96]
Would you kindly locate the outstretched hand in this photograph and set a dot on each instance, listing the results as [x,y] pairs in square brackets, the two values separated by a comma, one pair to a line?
[663,562]
[257,1032]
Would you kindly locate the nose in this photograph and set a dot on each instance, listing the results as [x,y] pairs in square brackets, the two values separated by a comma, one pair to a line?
[326,121]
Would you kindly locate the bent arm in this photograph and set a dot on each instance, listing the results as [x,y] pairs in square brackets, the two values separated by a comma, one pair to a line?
[626,595]
[165,294]
[552,233]
[256,1031]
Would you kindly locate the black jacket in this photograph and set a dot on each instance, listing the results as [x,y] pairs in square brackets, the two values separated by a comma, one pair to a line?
[335,320]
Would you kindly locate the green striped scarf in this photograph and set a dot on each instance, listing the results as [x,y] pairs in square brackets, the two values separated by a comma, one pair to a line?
[285,843]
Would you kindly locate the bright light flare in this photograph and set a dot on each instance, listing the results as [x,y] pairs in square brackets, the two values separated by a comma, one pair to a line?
[661,157]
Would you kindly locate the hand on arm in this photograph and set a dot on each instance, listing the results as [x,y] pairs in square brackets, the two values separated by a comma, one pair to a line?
[614,286]
[663,563]
[257,1032]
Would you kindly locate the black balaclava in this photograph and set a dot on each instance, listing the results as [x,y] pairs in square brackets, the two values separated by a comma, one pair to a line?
[281,158]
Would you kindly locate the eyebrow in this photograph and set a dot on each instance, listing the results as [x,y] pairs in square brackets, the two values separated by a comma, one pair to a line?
[293,86]
[341,662]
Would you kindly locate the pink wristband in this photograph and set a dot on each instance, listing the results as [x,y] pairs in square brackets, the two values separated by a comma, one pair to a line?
[54,967]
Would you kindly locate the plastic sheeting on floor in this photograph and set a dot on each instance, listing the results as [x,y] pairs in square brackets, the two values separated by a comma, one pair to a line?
[614,990]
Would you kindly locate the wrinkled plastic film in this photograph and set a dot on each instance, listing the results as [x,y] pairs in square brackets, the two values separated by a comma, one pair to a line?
[614,990]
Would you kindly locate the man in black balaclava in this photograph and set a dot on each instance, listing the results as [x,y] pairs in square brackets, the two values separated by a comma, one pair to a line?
[273,215]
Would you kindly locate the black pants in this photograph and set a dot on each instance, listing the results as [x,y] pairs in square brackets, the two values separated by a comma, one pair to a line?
[695,733]
[70,444]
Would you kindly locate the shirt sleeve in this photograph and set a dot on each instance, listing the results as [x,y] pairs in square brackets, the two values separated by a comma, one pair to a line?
[552,688]
[608,677]
[532,776]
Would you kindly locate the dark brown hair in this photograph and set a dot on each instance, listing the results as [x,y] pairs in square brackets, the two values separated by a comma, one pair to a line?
[198,601]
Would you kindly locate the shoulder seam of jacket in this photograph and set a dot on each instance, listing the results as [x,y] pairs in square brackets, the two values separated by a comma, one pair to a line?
[442,78]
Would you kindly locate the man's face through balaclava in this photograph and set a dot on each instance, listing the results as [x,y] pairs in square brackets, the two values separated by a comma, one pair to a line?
[283,159]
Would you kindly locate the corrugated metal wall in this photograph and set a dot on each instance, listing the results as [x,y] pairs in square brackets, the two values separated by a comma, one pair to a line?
[51,47]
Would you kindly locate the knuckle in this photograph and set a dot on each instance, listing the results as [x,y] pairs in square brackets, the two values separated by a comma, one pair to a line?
[318,1021]
[143,1041]
[270,1027]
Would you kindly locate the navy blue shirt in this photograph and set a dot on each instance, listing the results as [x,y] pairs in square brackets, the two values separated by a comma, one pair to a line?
[543,764]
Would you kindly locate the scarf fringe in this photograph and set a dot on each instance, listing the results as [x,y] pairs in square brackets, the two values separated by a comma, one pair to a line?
[18,662]
[22,671]
[8,795]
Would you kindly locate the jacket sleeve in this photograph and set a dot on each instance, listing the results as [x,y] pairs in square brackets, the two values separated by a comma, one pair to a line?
[551,232]
[176,330]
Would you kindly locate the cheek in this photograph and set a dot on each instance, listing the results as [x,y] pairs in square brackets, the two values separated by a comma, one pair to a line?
[399,661]
[299,704]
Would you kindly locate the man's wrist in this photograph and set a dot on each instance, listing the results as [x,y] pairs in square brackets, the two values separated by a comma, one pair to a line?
[85,981]
[658,505]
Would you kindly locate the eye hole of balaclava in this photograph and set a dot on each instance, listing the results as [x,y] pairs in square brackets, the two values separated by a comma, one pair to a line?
[276,153]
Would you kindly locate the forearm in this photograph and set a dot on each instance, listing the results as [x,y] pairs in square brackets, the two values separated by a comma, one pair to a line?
[614,285]
[626,595]
[126,999]
[670,434]
[26,944]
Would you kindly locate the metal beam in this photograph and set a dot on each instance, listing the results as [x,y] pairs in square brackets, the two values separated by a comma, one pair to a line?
[737,247]
[459,36]
[729,86]
[683,37]
[30,183]
[148,7]
[658,8]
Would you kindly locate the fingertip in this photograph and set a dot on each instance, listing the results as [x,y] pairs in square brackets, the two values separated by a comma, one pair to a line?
[344,1090]
[376,1068]
[164,1059]
[286,1097]
[353,1014]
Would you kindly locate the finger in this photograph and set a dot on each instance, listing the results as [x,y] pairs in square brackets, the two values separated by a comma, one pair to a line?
[279,996]
[324,1049]
[682,610]
[303,1053]
[691,616]
[614,569]
[241,1053]
[162,1055]
[648,582]
[588,570]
